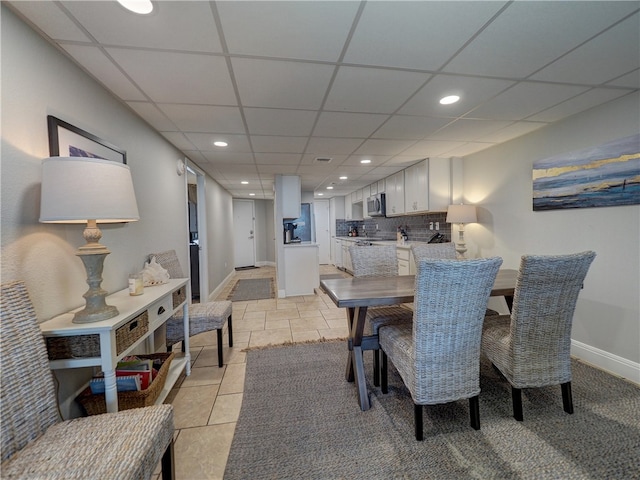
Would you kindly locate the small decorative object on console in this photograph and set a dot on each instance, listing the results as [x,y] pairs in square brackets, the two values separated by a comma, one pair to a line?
[154,274]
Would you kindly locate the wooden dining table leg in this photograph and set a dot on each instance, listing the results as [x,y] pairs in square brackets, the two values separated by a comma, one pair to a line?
[355,363]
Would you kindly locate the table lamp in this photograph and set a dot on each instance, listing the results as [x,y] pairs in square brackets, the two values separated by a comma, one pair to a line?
[91,191]
[461,214]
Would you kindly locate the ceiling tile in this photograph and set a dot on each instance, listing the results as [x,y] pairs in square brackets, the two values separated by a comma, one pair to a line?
[525,99]
[279,158]
[49,18]
[529,35]
[410,127]
[164,28]
[163,76]
[607,56]
[204,142]
[468,129]
[368,90]
[278,144]
[225,157]
[349,125]
[468,149]
[272,121]
[332,146]
[279,84]
[431,148]
[204,118]
[179,140]
[631,80]
[577,104]
[152,115]
[514,130]
[277,169]
[383,147]
[309,30]
[411,36]
[104,71]
[473,91]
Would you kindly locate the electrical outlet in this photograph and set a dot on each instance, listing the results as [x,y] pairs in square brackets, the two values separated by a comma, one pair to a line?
[430,225]
[437,225]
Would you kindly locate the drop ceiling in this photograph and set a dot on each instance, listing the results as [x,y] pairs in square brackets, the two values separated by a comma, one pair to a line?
[287,82]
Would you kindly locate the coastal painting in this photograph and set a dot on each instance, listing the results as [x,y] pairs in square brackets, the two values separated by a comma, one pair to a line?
[603,176]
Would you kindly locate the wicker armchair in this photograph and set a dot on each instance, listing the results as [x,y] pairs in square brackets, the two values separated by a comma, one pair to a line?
[37,444]
[203,317]
[531,347]
[438,358]
[378,261]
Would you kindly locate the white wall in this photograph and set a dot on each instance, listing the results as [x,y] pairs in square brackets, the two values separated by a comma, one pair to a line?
[606,327]
[37,80]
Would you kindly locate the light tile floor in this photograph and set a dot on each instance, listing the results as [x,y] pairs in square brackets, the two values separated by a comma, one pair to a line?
[207,403]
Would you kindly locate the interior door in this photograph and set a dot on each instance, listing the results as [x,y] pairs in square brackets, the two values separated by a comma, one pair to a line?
[243,233]
[323,234]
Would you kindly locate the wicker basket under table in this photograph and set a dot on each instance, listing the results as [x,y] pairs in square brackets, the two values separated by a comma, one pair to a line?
[95,404]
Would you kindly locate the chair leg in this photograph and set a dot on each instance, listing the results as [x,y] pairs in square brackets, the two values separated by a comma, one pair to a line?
[385,378]
[567,400]
[376,368]
[230,328]
[168,463]
[516,396]
[219,333]
[417,409]
[474,411]
[182,346]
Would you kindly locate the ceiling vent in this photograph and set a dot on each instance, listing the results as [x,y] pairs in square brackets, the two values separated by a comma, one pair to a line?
[323,159]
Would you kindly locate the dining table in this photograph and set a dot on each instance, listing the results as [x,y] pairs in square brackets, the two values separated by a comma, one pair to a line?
[357,294]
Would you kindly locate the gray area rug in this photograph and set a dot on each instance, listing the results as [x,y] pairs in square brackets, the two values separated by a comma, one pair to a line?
[300,420]
[252,289]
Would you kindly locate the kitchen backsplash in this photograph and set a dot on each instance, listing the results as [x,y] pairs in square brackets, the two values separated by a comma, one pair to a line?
[382,228]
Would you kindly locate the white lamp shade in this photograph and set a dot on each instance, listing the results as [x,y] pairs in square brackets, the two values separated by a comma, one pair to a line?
[77,189]
[461,214]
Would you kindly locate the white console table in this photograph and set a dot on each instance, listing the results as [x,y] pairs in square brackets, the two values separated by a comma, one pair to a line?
[155,306]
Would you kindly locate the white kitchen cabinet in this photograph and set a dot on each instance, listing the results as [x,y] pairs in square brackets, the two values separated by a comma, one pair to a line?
[346,256]
[358,196]
[381,186]
[291,196]
[302,269]
[427,186]
[394,186]
[373,188]
[348,208]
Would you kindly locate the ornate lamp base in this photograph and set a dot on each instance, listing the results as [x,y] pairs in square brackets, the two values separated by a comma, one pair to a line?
[96,309]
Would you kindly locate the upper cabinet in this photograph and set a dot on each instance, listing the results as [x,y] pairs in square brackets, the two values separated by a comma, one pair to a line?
[394,191]
[427,186]
[291,192]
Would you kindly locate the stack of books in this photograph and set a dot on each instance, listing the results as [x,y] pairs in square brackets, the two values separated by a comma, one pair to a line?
[132,374]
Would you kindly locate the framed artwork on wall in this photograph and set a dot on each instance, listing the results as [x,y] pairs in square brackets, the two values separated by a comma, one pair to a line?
[66,140]
[606,175]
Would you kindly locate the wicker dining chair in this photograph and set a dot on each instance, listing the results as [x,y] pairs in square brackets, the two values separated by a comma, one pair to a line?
[37,444]
[438,358]
[203,317]
[378,261]
[446,250]
[532,346]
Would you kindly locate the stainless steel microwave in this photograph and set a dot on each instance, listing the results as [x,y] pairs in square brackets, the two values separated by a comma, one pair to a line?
[376,205]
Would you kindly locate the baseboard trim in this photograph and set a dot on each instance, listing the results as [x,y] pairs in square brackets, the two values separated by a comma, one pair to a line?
[607,361]
[213,295]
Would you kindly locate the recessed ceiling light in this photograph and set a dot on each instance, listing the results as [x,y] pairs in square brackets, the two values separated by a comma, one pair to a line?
[142,7]
[449,99]
[244,182]
[329,187]
[252,194]
[366,160]
[320,194]
[343,177]
[220,144]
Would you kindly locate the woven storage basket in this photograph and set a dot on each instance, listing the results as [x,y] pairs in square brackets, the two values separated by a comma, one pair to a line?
[179,296]
[95,404]
[131,331]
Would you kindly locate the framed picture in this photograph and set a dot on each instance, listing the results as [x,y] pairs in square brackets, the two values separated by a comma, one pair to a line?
[606,175]
[65,140]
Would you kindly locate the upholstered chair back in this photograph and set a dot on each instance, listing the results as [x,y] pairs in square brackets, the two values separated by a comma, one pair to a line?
[374,260]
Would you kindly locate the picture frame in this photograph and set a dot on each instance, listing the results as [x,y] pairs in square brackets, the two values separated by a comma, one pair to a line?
[67,140]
